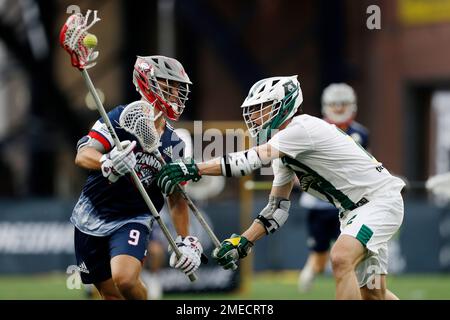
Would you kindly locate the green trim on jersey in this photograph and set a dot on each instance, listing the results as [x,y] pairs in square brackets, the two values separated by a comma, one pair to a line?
[351,220]
[364,235]
[311,179]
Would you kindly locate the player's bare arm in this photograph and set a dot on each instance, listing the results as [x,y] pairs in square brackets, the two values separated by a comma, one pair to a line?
[113,164]
[88,158]
[234,164]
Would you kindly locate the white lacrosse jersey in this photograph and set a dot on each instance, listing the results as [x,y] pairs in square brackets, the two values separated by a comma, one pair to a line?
[329,164]
[358,133]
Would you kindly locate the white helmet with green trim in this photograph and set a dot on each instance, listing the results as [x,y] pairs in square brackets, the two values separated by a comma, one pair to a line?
[270,103]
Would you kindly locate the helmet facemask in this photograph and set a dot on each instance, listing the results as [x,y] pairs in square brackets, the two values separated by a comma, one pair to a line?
[258,117]
[270,103]
[171,95]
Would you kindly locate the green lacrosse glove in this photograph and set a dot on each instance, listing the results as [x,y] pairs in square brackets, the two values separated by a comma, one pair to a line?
[173,173]
[231,250]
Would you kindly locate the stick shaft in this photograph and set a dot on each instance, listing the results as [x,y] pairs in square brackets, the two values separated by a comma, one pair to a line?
[195,211]
[136,179]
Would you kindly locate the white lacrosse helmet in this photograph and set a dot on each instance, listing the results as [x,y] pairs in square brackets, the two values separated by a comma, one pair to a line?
[339,104]
[170,99]
[270,103]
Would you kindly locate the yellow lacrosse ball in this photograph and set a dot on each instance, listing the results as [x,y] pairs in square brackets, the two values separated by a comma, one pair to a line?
[90,41]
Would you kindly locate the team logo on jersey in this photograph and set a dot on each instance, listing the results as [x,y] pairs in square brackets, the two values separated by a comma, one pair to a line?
[306,180]
[147,165]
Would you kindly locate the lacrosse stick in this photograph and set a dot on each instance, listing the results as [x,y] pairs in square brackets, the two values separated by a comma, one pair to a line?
[71,39]
[138,119]
[439,185]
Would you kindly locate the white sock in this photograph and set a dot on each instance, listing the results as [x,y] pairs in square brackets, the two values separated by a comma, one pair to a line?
[306,279]
[154,287]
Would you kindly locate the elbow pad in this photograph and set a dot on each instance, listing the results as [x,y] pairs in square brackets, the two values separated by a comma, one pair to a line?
[84,141]
[240,163]
[275,214]
[88,141]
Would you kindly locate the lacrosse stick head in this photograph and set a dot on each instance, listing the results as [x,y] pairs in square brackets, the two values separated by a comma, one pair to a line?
[162,82]
[71,39]
[138,118]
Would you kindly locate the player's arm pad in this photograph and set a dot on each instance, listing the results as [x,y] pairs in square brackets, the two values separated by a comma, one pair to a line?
[240,163]
[88,141]
[275,214]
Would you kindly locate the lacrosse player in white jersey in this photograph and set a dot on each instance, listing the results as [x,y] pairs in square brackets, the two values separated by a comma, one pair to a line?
[322,220]
[329,165]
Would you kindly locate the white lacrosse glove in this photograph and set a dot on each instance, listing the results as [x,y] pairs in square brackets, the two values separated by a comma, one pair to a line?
[118,163]
[191,252]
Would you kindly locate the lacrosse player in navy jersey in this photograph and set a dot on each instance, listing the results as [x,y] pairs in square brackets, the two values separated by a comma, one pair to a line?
[112,221]
[339,108]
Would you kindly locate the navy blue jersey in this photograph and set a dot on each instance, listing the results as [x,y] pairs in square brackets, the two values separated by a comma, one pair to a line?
[359,133]
[104,206]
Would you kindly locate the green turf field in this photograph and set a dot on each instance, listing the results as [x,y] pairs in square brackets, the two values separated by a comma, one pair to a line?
[264,286]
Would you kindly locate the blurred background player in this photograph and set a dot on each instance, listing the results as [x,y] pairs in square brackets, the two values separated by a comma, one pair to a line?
[338,107]
[155,261]
[112,221]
